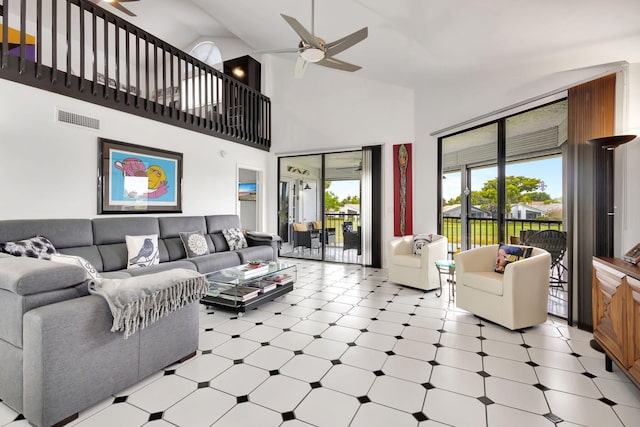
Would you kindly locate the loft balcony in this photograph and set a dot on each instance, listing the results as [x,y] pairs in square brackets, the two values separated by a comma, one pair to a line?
[77,49]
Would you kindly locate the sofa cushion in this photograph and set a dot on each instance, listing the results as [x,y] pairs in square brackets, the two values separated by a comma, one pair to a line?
[113,230]
[142,251]
[194,243]
[419,240]
[261,252]
[90,253]
[235,239]
[163,266]
[411,261]
[34,247]
[91,272]
[508,254]
[25,276]
[485,281]
[63,233]
[216,261]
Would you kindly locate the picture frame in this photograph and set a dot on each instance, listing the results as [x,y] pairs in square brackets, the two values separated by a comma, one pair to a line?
[247,192]
[138,179]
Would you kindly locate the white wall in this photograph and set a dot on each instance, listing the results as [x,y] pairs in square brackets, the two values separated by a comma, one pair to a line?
[627,159]
[331,110]
[49,169]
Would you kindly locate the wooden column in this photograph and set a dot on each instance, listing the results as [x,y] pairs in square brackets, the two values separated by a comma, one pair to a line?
[590,115]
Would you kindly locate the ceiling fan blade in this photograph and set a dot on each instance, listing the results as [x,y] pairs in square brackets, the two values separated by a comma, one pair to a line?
[346,42]
[122,8]
[123,1]
[284,50]
[305,35]
[338,64]
[301,66]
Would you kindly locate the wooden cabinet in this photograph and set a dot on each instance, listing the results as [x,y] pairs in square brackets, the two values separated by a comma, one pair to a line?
[616,312]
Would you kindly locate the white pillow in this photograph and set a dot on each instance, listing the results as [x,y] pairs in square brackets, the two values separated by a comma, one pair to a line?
[91,271]
[419,240]
[142,251]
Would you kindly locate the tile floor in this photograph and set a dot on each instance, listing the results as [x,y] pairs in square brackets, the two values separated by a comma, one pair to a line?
[347,348]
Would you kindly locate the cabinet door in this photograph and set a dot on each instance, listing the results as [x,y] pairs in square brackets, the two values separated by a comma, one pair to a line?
[609,310]
[633,327]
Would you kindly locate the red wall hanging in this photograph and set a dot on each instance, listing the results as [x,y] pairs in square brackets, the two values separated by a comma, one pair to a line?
[402,190]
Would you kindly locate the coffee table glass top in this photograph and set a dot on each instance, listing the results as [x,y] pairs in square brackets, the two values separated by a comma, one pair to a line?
[229,276]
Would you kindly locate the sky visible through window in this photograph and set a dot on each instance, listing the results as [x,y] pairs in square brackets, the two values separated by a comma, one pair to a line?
[548,170]
[344,189]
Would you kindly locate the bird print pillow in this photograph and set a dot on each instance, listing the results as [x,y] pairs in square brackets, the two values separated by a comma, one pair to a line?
[142,251]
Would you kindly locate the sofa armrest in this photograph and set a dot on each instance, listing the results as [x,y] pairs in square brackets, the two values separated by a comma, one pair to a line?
[72,360]
[26,276]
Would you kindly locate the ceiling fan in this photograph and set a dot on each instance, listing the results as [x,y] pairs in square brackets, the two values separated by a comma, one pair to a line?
[116,4]
[314,49]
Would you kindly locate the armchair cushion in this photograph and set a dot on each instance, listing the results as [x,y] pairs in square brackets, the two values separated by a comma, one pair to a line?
[419,240]
[299,226]
[508,254]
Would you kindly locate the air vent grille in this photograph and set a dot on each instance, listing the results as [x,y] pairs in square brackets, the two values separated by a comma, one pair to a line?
[78,120]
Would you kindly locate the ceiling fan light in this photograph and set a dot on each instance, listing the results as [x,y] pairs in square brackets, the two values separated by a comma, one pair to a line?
[312,55]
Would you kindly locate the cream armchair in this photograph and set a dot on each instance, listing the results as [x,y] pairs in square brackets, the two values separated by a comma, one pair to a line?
[418,271]
[516,299]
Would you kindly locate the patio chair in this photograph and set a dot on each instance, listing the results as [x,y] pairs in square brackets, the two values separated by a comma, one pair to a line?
[351,238]
[305,238]
[554,242]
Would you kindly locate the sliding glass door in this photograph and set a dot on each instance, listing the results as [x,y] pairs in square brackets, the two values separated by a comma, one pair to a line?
[503,182]
[320,207]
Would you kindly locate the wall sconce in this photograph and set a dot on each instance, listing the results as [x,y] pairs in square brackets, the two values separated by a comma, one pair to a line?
[307,186]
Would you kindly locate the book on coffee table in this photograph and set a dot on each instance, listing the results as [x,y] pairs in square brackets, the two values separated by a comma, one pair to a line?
[239,293]
[247,271]
[279,279]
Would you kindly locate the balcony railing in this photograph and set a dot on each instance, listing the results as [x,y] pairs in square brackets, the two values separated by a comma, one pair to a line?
[335,220]
[85,52]
[484,231]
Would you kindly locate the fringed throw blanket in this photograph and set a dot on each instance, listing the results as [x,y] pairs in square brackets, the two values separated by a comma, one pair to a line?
[137,302]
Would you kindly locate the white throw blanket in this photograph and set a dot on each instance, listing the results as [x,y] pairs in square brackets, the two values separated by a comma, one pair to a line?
[137,302]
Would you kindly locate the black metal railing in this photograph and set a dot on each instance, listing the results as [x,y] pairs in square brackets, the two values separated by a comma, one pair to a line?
[484,231]
[335,220]
[88,53]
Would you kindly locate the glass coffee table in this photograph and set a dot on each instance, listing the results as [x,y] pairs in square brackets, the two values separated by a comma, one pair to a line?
[447,266]
[245,287]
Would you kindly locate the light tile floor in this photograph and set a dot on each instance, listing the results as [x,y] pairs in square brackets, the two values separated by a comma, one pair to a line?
[348,348]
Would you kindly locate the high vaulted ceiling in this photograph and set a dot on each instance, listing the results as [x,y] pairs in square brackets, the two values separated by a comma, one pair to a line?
[411,41]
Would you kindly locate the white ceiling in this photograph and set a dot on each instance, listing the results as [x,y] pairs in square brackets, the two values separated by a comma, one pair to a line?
[411,41]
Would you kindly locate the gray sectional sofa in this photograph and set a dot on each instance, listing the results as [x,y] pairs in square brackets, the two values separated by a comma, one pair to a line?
[57,354]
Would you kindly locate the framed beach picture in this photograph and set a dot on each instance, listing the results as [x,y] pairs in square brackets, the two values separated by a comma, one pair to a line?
[247,192]
[138,179]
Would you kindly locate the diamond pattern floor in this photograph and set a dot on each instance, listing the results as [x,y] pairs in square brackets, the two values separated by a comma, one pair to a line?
[348,348]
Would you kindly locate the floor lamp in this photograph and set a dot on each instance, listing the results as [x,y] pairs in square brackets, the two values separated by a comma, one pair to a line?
[608,143]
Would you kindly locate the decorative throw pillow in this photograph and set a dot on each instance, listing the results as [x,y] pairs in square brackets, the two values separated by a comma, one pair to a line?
[194,243]
[299,227]
[235,238]
[508,254]
[92,273]
[419,240]
[35,247]
[317,225]
[142,251]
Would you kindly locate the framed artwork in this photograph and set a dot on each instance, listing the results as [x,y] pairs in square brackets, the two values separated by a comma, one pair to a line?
[247,192]
[402,190]
[138,179]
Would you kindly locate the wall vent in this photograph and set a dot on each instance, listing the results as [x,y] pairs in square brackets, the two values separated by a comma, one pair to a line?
[78,120]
